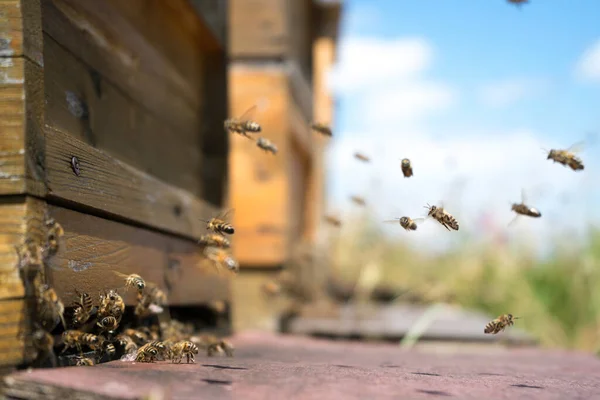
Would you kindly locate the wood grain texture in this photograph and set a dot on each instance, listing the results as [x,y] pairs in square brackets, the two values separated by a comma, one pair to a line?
[111,186]
[21,29]
[12,347]
[108,39]
[93,248]
[81,102]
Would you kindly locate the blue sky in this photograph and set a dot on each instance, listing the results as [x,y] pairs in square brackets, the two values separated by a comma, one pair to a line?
[470,80]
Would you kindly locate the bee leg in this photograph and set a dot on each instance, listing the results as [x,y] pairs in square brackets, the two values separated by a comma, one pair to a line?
[64,349]
[188,358]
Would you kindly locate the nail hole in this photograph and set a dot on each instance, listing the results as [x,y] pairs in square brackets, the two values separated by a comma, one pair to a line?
[177,210]
[75,165]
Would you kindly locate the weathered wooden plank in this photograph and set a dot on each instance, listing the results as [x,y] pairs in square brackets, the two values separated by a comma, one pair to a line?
[20,29]
[93,248]
[81,102]
[12,347]
[111,186]
[109,41]
[214,13]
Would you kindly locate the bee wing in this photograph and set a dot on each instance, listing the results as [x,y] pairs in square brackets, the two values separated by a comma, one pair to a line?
[248,114]
[512,221]
[228,213]
[577,147]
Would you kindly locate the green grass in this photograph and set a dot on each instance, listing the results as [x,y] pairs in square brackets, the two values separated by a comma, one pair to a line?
[558,298]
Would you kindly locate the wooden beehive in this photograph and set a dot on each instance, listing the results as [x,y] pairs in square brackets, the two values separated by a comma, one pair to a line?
[111,122]
[280,51]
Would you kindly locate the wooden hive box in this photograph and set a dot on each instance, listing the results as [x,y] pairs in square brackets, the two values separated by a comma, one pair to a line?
[111,123]
[280,52]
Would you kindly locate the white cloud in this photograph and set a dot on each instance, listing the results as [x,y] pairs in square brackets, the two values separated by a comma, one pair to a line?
[588,66]
[509,91]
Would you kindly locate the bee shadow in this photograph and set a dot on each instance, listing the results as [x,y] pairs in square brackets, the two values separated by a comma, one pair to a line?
[425,374]
[434,392]
[521,385]
[217,382]
[216,366]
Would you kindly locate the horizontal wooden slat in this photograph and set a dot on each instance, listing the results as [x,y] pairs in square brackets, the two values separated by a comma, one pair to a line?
[111,186]
[107,39]
[82,103]
[11,322]
[20,29]
[93,248]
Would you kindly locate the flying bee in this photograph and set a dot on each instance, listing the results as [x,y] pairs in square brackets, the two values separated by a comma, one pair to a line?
[361,157]
[111,305]
[108,324]
[359,201]
[84,362]
[266,145]
[53,236]
[218,224]
[243,124]
[499,324]
[407,223]
[335,221]
[157,295]
[406,167]
[523,209]
[132,281]
[221,258]
[568,157]
[73,338]
[50,308]
[128,344]
[442,216]
[321,128]
[216,240]
[83,308]
[183,348]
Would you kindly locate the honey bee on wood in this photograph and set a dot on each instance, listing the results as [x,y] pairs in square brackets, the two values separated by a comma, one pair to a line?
[218,224]
[442,216]
[221,258]
[84,362]
[183,348]
[74,338]
[53,236]
[43,343]
[321,128]
[150,352]
[244,124]
[407,223]
[359,201]
[266,145]
[215,240]
[331,220]
[50,308]
[128,344]
[139,338]
[111,305]
[83,308]
[568,157]
[524,209]
[499,324]
[406,167]
[361,157]
[132,281]
[108,324]
[213,345]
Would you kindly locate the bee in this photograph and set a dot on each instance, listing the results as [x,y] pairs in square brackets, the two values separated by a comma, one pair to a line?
[84,362]
[218,224]
[132,281]
[53,236]
[30,256]
[361,157]
[524,209]
[213,345]
[137,337]
[74,338]
[183,348]
[215,240]
[568,157]
[128,344]
[142,307]
[50,308]
[358,201]
[43,343]
[107,347]
[83,308]
[321,128]
[406,167]
[407,223]
[266,145]
[499,324]
[271,288]
[111,305]
[152,333]
[220,258]
[442,216]
[157,296]
[151,351]
[108,324]
[243,124]
[330,219]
